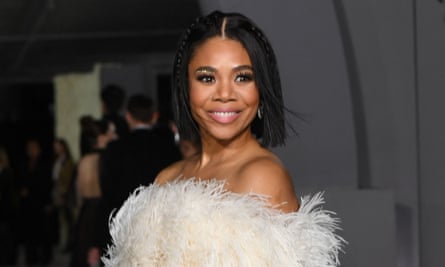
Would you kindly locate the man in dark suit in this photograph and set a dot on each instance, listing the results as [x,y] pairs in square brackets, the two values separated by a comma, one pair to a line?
[134,160]
[112,99]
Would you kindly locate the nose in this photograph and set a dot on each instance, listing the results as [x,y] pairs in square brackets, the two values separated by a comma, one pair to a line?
[224,92]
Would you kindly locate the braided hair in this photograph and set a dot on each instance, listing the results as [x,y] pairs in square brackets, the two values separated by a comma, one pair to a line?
[271,127]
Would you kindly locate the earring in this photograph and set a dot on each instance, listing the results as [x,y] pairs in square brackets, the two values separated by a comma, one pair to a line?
[260,112]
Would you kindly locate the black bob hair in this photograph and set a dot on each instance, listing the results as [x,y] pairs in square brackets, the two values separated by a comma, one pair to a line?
[271,128]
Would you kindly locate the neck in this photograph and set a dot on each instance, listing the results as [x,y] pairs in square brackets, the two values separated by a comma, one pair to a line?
[221,150]
[101,144]
[139,125]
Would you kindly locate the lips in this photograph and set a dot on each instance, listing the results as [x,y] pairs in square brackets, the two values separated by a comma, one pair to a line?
[224,116]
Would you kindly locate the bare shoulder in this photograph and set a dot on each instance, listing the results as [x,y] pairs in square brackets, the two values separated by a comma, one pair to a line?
[87,160]
[170,173]
[266,175]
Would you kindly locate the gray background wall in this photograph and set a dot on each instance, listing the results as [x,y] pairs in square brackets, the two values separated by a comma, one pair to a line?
[431,95]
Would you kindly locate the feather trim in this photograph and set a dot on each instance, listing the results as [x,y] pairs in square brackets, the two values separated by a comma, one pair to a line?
[199,223]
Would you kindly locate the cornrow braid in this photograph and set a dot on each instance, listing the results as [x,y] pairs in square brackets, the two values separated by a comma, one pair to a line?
[182,115]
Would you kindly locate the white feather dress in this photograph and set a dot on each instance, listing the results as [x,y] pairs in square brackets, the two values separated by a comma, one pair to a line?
[198,223]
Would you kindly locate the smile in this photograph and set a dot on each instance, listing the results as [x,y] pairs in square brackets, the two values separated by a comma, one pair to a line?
[224,116]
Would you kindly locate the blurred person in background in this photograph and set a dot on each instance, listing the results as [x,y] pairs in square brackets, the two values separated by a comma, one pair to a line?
[112,99]
[35,214]
[8,211]
[86,123]
[100,133]
[133,161]
[62,174]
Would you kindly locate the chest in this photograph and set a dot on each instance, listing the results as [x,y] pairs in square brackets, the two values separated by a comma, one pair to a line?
[227,171]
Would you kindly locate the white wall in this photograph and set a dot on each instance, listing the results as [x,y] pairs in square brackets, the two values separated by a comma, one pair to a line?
[75,95]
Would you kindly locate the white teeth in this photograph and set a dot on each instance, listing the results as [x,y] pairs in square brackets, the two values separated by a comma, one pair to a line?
[224,114]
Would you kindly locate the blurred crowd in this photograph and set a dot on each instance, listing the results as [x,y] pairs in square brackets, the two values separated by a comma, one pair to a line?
[50,201]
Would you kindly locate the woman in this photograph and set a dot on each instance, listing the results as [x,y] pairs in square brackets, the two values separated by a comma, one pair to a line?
[88,189]
[62,174]
[233,204]
[8,211]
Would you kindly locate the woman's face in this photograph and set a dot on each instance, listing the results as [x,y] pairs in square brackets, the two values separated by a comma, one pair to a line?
[33,149]
[58,148]
[223,95]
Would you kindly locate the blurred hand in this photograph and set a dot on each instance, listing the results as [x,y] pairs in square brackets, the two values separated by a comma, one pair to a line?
[93,257]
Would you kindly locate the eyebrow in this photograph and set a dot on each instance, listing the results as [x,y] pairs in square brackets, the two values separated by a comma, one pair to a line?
[243,67]
[205,69]
[212,70]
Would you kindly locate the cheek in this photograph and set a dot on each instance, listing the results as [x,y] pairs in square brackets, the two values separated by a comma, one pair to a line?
[197,95]
[251,96]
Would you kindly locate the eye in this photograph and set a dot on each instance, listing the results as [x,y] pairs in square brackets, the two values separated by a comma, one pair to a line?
[206,78]
[244,77]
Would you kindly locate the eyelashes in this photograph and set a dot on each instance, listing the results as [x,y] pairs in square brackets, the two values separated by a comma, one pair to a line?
[244,77]
[205,78]
[239,77]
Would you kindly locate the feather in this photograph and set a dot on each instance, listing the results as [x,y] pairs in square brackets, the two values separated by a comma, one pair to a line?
[198,223]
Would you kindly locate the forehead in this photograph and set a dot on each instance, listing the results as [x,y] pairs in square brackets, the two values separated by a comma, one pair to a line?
[219,50]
